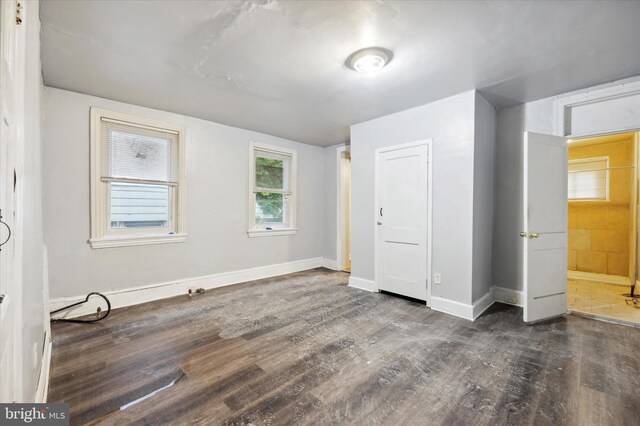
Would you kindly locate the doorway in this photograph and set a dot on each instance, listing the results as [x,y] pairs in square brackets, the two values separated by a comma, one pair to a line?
[344,209]
[602,227]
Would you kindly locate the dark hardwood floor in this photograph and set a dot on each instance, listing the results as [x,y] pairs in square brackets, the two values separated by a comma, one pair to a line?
[306,349]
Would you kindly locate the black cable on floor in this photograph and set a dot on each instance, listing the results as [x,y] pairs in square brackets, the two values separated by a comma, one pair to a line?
[80,303]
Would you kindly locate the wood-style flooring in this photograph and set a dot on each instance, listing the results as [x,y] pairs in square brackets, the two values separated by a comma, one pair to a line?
[306,349]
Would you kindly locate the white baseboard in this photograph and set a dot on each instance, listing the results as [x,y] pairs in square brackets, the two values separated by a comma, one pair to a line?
[509,296]
[148,293]
[483,303]
[42,388]
[362,284]
[603,278]
[330,264]
[463,310]
[452,307]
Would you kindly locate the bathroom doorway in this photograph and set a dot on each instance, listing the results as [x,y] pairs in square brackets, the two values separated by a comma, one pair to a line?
[602,227]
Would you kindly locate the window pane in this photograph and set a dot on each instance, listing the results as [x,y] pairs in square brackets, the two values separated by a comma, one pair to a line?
[270,173]
[138,156]
[588,179]
[270,207]
[139,206]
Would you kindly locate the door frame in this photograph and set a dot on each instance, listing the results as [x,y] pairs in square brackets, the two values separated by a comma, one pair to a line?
[562,126]
[339,218]
[633,202]
[11,198]
[429,144]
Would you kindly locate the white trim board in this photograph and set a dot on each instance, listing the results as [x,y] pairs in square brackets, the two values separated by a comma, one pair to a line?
[148,293]
[508,296]
[42,388]
[563,106]
[463,310]
[330,264]
[603,278]
[452,307]
[472,312]
[362,284]
[483,303]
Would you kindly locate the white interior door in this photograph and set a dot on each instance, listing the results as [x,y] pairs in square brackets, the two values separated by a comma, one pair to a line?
[401,246]
[11,97]
[545,226]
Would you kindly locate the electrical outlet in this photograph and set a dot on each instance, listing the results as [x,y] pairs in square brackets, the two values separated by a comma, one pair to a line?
[437,278]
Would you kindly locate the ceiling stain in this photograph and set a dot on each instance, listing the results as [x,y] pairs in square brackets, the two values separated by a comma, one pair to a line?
[277,66]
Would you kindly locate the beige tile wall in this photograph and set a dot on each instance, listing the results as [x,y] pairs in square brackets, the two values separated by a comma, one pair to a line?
[599,231]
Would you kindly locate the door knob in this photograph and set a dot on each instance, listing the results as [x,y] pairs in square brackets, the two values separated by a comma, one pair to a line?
[533,235]
[379,223]
[523,234]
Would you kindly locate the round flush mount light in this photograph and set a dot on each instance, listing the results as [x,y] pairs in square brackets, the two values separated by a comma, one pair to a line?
[369,60]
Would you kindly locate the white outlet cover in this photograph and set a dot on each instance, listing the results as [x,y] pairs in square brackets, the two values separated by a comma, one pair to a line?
[437,278]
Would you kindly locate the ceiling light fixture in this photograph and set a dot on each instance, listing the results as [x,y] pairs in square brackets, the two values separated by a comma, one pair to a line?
[369,60]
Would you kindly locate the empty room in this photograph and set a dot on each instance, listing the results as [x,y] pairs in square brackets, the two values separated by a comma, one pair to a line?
[331,212]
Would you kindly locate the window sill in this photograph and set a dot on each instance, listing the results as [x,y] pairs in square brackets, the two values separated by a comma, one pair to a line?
[125,241]
[254,233]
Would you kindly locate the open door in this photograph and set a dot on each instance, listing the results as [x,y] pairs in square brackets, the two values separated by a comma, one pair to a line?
[545,226]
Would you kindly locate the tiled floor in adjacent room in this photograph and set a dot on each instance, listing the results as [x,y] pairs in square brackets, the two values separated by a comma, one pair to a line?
[602,299]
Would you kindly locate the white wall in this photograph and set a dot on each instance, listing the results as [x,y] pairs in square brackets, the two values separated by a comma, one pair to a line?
[34,322]
[541,117]
[217,163]
[483,171]
[450,124]
[330,215]
[507,245]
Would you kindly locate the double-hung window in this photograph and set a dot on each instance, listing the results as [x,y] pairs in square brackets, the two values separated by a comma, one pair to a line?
[137,181]
[589,179]
[272,205]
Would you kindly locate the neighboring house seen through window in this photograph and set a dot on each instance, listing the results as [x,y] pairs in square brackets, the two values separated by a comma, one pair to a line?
[137,181]
[272,207]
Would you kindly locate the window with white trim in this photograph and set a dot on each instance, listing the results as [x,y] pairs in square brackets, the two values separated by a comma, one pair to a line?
[137,181]
[589,179]
[272,181]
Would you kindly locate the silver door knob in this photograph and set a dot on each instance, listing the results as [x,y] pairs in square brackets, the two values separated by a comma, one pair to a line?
[379,223]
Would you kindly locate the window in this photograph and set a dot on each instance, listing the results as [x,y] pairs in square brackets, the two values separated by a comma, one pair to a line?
[137,181]
[272,206]
[589,179]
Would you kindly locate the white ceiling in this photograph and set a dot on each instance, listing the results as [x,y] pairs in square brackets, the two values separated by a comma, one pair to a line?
[277,66]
